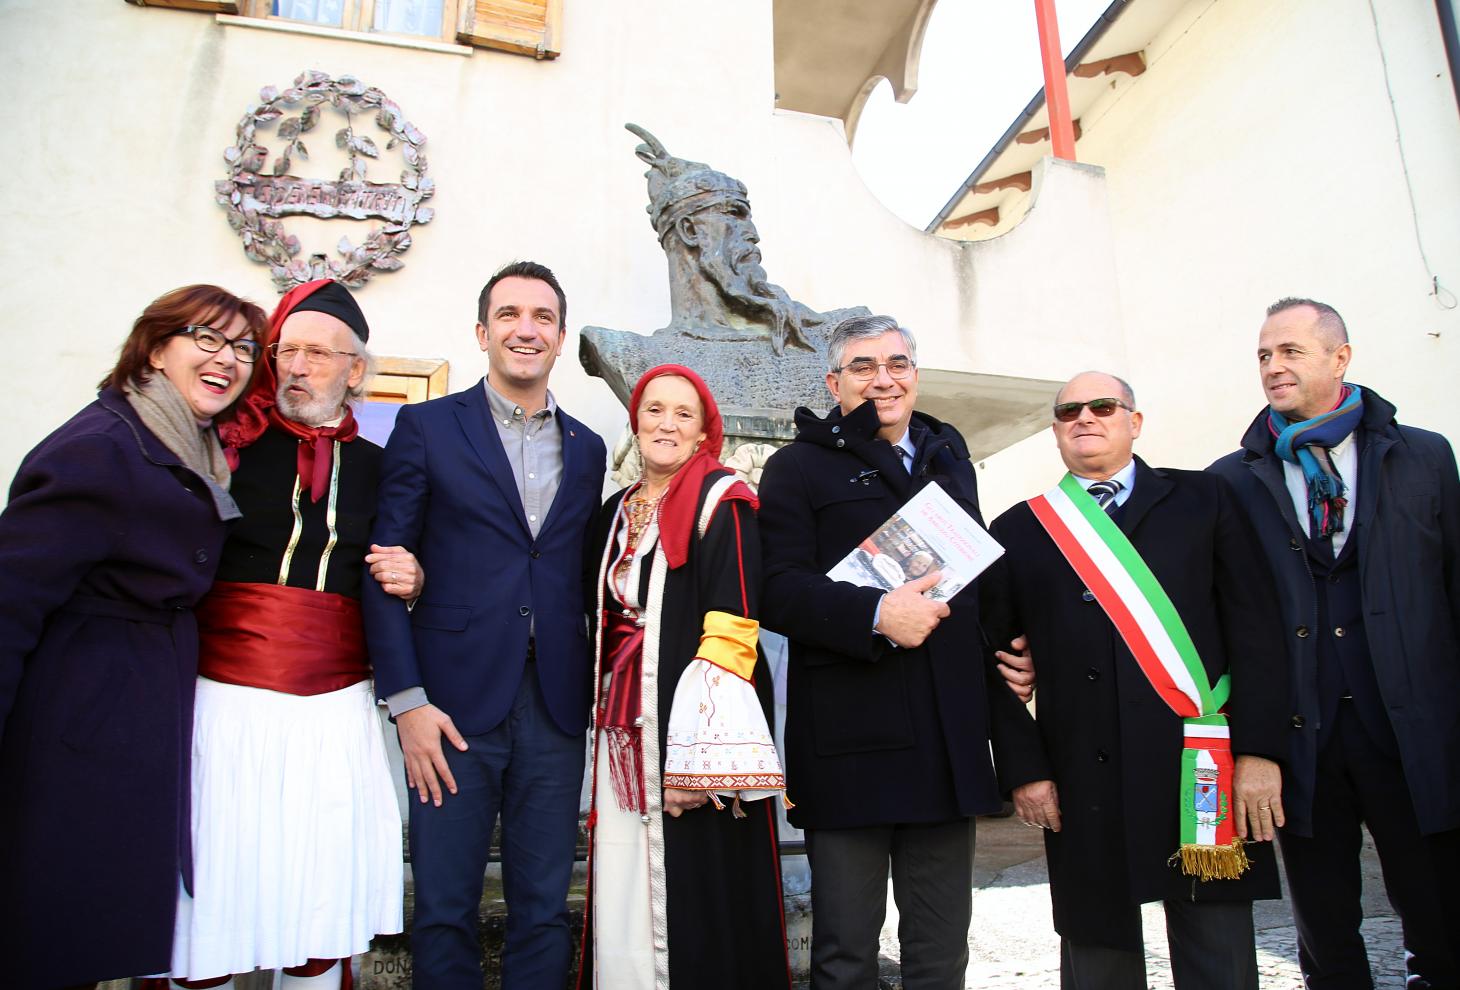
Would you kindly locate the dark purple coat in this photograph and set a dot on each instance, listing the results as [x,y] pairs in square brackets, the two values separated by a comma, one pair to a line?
[105,546]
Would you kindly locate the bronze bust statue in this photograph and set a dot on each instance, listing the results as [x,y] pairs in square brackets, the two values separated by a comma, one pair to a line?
[761,352]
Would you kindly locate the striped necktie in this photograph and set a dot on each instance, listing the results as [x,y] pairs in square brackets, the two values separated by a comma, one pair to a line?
[1104,492]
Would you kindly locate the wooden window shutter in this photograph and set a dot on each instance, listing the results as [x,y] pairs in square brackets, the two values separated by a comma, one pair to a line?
[215,6]
[526,27]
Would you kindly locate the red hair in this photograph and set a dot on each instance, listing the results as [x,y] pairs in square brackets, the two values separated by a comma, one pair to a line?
[191,305]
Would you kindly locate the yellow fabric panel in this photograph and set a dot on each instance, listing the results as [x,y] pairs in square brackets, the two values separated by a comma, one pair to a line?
[729,642]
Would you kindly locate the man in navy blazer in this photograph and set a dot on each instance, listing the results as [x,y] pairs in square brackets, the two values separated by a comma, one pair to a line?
[493,488]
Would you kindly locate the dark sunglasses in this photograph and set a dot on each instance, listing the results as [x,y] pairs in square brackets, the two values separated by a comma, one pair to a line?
[1068,412]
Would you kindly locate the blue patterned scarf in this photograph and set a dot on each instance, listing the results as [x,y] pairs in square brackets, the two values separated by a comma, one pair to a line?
[1307,443]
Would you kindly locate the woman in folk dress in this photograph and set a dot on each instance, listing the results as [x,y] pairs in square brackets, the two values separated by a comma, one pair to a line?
[685,884]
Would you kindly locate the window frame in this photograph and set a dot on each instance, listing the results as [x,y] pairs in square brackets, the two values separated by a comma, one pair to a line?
[206,6]
[543,45]
[458,24]
[359,15]
[406,381]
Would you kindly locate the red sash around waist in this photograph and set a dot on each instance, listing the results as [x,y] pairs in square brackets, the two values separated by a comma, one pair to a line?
[623,656]
[292,640]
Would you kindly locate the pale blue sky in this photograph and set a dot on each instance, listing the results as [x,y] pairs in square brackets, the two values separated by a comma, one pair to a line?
[980,66]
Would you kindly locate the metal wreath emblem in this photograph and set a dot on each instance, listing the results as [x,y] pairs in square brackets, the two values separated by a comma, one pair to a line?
[256,199]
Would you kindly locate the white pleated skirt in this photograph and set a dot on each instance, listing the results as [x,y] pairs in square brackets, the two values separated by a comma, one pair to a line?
[296,831]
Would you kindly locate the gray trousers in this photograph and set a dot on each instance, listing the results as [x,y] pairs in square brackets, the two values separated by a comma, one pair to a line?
[1212,948]
[932,884]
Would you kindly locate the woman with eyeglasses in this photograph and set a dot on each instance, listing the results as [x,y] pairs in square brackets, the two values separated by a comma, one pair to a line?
[111,535]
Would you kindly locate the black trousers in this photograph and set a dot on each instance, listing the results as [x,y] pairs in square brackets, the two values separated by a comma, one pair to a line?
[1358,784]
[1212,948]
[932,884]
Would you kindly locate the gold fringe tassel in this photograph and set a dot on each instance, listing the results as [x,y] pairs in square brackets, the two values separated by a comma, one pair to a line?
[1212,862]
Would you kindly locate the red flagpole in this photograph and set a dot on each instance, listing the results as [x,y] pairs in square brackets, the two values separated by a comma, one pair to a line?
[1056,95]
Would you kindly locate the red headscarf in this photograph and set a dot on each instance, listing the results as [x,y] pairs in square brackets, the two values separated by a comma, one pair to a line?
[258,410]
[677,508]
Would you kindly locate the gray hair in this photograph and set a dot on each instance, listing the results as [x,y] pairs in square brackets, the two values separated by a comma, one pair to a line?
[864,328]
[1330,324]
[1127,394]
[357,393]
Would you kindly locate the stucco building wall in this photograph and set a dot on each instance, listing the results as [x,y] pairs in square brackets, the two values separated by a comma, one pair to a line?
[1259,157]
[120,115]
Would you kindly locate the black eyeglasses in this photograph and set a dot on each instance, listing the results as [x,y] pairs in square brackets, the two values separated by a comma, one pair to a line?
[1068,412]
[246,349]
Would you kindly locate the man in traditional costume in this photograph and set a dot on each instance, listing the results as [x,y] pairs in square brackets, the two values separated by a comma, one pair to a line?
[1162,707]
[296,829]
[1359,519]
[684,888]
[887,711]
[495,488]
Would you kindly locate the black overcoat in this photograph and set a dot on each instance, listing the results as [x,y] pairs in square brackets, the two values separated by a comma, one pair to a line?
[1103,734]
[874,735]
[1408,533]
[107,543]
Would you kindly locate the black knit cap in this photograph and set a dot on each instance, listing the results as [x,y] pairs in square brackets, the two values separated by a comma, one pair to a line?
[335,300]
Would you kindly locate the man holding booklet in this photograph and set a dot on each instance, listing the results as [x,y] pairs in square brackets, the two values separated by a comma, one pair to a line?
[1163,701]
[886,732]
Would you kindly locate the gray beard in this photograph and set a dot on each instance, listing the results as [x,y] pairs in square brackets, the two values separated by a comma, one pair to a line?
[312,412]
[747,293]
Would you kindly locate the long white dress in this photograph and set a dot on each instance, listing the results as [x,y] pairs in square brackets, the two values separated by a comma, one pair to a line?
[718,741]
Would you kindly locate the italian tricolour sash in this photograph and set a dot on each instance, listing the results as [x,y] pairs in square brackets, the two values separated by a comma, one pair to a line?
[1149,624]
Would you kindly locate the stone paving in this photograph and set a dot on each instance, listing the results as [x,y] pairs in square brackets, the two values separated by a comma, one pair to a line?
[1012,943]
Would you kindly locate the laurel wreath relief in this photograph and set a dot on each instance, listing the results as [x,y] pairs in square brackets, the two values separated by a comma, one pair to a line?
[255,199]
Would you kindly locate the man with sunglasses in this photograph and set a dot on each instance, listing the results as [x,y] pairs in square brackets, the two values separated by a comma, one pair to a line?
[886,725]
[296,830]
[1162,701]
[1359,519]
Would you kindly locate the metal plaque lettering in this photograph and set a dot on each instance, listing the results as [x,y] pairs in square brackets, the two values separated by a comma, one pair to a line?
[257,199]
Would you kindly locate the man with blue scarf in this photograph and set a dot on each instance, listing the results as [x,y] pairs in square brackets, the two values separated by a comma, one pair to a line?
[1359,518]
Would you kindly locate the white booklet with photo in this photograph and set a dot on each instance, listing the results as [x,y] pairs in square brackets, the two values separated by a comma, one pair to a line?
[931,532]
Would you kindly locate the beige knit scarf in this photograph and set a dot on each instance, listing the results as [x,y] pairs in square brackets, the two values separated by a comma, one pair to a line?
[163,410]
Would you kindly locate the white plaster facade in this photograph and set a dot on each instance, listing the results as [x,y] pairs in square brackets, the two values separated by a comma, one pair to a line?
[1256,157]
[1259,157]
[118,116]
